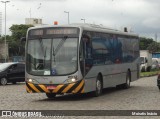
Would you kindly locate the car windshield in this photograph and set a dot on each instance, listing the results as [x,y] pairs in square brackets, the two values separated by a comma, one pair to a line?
[56,56]
[4,66]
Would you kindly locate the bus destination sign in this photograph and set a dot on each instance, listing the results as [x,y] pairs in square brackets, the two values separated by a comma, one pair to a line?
[62,31]
[36,32]
[57,32]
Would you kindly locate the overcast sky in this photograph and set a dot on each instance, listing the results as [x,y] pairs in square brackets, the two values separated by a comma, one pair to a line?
[141,16]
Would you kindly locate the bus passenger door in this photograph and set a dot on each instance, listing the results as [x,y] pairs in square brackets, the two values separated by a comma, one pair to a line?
[86,60]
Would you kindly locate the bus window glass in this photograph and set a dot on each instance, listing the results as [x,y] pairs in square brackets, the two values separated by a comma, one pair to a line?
[52,56]
[115,49]
[100,51]
[38,56]
[129,47]
[64,56]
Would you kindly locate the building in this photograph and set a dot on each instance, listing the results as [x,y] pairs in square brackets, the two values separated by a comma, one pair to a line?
[33,21]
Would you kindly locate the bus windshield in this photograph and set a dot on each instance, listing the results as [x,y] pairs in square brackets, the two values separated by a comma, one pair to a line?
[57,56]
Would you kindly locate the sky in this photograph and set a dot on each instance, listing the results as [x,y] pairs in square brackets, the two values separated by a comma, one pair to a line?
[139,16]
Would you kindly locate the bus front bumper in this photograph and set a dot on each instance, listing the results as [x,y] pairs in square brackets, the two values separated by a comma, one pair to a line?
[76,87]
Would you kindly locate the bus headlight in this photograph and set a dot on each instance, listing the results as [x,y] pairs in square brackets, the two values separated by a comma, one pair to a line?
[72,79]
[29,80]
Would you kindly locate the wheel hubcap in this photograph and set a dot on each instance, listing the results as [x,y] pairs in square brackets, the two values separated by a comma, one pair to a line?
[98,87]
[3,81]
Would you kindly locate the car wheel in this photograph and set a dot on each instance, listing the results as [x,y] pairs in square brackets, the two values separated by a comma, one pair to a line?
[3,81]
[50,95]
[99,87]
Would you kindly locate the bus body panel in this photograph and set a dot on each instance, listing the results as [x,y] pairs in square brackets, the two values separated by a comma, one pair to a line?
[90,84]
[112,74]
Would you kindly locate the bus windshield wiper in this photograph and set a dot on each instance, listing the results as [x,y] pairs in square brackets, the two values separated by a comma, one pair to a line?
[55,51]
[42,46]
[43,50]
[60,44]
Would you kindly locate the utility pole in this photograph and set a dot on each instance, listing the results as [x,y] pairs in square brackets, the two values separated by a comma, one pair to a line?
[68,15]
[156,37]
[5,2]
[0,24]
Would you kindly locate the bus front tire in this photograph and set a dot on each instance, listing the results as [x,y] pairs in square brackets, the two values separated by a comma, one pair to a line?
[51,95]
[99,87]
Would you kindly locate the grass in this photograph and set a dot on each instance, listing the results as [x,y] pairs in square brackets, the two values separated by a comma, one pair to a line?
[151,73]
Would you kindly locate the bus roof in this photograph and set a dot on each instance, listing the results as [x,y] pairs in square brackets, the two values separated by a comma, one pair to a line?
[90,27]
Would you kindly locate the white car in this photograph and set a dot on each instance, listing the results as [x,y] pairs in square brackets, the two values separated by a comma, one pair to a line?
[155,63]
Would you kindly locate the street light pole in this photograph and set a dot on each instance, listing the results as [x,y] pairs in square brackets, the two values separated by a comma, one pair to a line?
[68,15]
[83,20]
[5,30]
[0,24]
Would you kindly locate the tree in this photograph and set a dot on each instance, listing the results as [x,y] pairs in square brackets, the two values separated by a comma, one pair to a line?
[145,42]
[2,38]
[149,44]
[154,47]
[15,45]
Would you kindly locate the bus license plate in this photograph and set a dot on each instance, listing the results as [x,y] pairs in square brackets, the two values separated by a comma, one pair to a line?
[51,87]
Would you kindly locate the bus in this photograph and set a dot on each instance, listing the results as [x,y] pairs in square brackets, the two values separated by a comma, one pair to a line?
[79,58]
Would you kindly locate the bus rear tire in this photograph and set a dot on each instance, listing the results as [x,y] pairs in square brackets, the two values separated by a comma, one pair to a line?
[99,87]
[51,95]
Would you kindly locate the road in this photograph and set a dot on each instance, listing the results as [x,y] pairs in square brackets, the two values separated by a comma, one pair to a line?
[143,95]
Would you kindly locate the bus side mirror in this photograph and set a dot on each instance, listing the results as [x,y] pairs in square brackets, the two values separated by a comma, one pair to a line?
[23,39]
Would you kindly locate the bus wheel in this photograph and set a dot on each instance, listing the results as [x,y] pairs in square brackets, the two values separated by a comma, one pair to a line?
[128,81]
[99,87]
[3,81]
[50,95]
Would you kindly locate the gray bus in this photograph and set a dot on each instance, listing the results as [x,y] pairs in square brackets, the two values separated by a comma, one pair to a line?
[79,58]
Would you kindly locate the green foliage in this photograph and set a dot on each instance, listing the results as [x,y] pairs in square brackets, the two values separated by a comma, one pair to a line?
[147,74]
[2,38]
[19,31]
[15,45]
[145,42]
[149,44]
[154,47]
[16,48]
